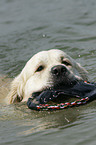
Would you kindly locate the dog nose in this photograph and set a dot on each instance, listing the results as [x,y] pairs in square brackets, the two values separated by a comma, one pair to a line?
[58,70]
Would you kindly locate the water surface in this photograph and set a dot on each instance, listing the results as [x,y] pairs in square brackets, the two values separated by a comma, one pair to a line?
[27,27]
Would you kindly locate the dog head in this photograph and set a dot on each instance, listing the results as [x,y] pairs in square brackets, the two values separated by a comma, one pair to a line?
[44,70]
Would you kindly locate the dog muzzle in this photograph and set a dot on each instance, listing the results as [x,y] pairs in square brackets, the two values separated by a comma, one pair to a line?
[84,91]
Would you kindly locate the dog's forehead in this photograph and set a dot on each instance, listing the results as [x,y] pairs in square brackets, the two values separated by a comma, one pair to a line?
[57,53]
[47,57]
[50,54]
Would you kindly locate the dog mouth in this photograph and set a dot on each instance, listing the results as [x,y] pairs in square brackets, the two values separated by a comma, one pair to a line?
[60,92]
[50,97]
[83,90]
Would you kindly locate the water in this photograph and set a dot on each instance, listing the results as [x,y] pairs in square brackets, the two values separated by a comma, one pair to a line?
[27,27]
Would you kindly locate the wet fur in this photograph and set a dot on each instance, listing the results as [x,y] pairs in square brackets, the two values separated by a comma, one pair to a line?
[30,80]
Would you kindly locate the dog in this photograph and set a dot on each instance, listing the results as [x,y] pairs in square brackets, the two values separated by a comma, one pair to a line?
[45,70]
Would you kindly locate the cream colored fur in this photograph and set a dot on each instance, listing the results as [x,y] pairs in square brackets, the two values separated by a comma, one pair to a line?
[30,80]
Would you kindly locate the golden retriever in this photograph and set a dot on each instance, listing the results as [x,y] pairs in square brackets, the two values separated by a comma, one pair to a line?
[44,70]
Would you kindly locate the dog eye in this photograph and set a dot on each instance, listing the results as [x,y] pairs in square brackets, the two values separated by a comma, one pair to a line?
[40,68]
[67,63]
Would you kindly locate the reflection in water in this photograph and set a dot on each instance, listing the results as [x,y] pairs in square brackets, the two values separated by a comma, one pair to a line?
[39,120]
[29,122]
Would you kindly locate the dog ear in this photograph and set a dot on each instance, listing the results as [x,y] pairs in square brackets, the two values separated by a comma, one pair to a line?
[83,73]
[16,91]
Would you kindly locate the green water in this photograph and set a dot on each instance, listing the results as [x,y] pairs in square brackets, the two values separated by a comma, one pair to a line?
[27,27]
